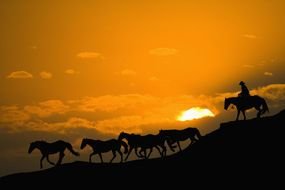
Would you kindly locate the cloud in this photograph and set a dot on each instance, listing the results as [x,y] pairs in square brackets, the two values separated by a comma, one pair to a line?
[163,51]
[274,92]
[70,72]
[20,75]
[47,108]
[248,66]
[110,103]
[45,75]
[250,36]
[153,78]
[90,55]
[62,127]
[128,72]
[13,114]
[268,74]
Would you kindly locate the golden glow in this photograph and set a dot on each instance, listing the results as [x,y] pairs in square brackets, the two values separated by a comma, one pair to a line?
[195,113]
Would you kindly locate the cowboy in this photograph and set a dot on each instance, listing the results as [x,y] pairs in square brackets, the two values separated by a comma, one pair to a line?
[244,90]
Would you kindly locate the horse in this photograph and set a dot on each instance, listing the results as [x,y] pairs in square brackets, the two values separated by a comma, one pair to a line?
[51,148]
[100,147]
[244,103]
[175,136]
[145,142]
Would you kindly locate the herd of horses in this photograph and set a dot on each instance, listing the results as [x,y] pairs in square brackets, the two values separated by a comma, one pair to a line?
[143,145]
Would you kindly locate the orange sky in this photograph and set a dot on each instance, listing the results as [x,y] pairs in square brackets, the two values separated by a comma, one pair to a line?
[72,69]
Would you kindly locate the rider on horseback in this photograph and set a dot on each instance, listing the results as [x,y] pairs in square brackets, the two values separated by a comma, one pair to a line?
[244,90]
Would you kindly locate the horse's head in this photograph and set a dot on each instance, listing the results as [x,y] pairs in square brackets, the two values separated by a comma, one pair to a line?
[83,143]
[33,145]
[122,136]
[226,104]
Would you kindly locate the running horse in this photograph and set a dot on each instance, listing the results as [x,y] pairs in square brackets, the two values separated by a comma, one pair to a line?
[175,136]
[100,147]
[51,148]
[244,103]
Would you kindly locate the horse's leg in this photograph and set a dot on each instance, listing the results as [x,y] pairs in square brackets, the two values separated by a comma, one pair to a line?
[192,139]
[145,153]
[163,153]
[238,112]
[50,161]
[41,161]
[114,156]
[61,155]
[140,152]
[179,146]
[121,154]
[259,112]
[90,159]
[131,148]
[100,155]
[150,152]
[243,112]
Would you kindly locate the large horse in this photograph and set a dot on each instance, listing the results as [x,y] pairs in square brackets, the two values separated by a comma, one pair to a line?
[175,136]
[100,147]
[51,148]
[244,103]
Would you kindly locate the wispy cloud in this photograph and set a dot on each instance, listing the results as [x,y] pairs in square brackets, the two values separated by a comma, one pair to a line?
[13,114]
[248,66]
[20,75]
[45,75]
[70,72]
[47,108]
[153,78]
[275,92]
[163,51]
[90,55]
[128,72]
[250,36]
[268,74]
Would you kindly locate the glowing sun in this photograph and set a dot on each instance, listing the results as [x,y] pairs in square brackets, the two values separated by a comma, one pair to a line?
[195,113]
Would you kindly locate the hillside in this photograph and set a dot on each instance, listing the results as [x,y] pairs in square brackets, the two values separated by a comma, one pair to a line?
[240,149]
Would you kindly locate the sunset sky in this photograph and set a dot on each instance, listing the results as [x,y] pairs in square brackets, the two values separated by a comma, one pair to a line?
[93,68]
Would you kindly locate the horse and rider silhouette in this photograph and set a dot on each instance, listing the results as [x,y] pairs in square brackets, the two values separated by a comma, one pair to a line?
[142,143]
[51,148]
[245,101]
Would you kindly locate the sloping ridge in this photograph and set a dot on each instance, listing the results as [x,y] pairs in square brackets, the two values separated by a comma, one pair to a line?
[253,147]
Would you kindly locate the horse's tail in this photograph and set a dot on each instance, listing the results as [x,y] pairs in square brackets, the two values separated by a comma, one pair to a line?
[69,147]
[198,134]
[125,145]
[264,107]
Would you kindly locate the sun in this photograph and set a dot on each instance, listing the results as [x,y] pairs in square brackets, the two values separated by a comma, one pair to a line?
[195,113]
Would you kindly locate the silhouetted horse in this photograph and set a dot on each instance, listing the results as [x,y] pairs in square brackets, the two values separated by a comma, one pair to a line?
[145,142]
[51,148]
[244,103]
[175,136]
[100,147]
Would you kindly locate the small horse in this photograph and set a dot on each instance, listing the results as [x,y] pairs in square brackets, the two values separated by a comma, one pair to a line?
[175,136]
[51,148]
[145,142]
[244,103]
[100,147]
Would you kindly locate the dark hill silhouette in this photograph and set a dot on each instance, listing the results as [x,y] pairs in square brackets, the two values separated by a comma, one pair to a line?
[239,151]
